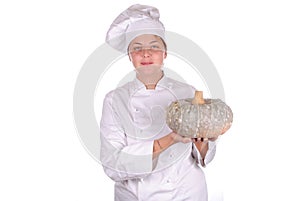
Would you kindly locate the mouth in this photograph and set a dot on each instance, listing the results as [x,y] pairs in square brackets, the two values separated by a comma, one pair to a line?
[146,63]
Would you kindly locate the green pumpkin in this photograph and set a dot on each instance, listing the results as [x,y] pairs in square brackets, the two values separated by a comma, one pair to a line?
[198,117]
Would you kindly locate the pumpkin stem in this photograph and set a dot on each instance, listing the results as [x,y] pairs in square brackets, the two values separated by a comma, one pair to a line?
[198,98]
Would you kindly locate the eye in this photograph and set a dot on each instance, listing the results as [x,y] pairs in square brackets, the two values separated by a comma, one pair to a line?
[137,48]
[155,47]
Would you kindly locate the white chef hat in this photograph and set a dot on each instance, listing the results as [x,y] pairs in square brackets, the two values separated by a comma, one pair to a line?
[134,21]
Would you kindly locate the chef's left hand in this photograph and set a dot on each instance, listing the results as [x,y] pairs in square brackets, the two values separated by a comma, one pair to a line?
[204,140]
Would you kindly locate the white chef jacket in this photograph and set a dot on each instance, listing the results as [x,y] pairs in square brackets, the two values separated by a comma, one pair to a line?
[132,118]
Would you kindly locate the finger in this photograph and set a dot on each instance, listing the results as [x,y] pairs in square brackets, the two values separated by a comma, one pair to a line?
[197,139]
[186,140]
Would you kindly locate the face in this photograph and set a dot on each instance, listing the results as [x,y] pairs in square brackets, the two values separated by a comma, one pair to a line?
[146,50]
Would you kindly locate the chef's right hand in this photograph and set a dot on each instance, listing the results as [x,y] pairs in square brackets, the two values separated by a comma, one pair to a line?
[178,138]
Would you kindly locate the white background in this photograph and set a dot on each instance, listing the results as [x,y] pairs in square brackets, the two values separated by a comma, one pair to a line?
[255,46]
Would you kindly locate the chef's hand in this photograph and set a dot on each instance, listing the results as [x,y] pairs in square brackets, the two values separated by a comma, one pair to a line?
[204,140]
[163,143]
[202,145]
[178,138]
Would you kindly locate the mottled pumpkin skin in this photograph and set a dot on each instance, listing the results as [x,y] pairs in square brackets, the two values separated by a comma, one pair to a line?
[206,120]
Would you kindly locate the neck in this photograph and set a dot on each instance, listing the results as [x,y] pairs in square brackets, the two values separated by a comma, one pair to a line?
[150,86]
[150,82]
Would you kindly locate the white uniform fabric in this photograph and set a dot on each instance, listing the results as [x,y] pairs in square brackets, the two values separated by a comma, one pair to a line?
[133,117]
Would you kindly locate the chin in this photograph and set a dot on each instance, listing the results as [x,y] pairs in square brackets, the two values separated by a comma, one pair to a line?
[149,68]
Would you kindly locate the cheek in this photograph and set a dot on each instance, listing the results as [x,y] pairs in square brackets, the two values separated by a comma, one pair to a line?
[135,60]
[160,58]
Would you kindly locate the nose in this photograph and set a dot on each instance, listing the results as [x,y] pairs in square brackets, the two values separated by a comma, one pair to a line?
[146,52]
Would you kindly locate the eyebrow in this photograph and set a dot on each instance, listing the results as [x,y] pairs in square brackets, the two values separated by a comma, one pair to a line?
[137,43]
[154,41]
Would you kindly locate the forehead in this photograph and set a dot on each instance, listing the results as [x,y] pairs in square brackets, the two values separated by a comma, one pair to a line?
[146,39]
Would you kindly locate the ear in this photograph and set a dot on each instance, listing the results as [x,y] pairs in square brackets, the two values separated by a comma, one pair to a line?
[165,54]
[129,57]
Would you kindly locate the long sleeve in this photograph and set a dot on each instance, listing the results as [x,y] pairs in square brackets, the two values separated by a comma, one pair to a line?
[121,160]
[132,118]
